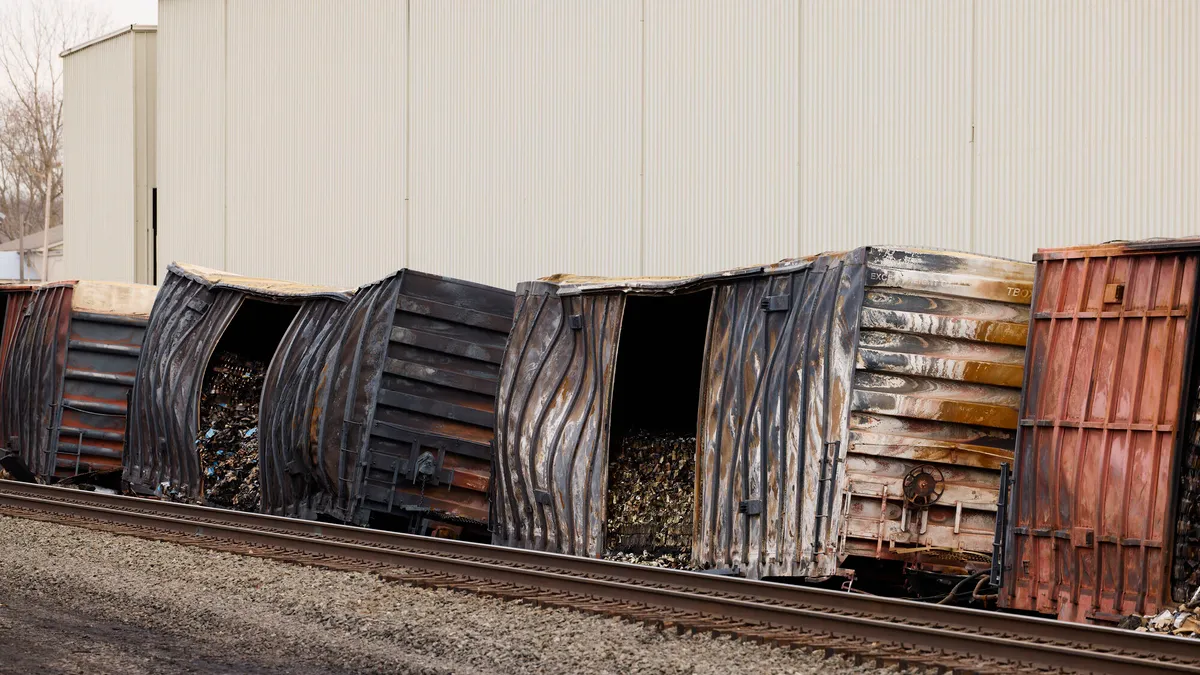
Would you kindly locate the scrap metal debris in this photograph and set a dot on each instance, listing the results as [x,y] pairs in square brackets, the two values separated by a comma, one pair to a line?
[651,499]
[228,441]
[1184,621]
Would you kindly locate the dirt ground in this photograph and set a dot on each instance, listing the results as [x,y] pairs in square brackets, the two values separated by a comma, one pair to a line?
[36,636]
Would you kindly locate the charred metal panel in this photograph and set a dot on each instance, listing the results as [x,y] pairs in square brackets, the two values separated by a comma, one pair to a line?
[286,415]
[193,309]
[553,420]
[33,377]
[938,367]
[71,368]
[391,408]
[102,359]
[14,299]
[1104,458]
[772,416]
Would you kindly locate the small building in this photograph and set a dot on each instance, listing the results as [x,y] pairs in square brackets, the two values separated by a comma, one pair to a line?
[109,102]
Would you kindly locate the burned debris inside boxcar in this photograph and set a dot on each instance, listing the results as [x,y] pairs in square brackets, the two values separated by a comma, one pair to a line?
[652,461]
[228,442]
[228,433]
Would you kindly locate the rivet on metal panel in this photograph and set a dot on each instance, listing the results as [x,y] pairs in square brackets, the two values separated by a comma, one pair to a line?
[576,321]
[750,507]
[776,303]
[1114,293]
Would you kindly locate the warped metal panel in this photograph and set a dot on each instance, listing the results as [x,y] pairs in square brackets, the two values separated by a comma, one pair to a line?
[1085,122]
[552,416]
[194,308]
[390,408]
[722,119]
[69,373]
[1106,453]
[772,415]
[191,150]
[885,124]
[525,138]
[33,377]
[13,299]
[316,130]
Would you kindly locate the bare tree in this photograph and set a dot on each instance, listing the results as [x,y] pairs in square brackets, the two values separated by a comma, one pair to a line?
[32,35]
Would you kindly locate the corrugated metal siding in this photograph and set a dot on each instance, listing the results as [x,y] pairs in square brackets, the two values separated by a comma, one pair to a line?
[552,412]
[721,125]
[316,118]
[531,136]
[190,315]
[1085,122]
[145,77]
[191,133]
[525,138]
[885,124]
[1101,465]
[99,161]
[409,367]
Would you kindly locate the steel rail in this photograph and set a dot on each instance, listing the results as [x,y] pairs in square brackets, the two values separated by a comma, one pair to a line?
[984,634]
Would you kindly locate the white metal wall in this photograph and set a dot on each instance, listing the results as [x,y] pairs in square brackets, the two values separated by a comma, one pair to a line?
[525,137]
[191,133]
[108,167]
[505,140]
[316,112]
[1087,122]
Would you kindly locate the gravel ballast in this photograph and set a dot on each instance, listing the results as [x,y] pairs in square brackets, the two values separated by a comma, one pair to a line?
[247,614]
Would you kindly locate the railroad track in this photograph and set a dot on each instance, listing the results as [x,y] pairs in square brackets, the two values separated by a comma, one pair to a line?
[866,628]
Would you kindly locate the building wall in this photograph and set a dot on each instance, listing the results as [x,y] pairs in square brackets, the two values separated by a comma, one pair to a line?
[500,141]
[108,169]
[191,133]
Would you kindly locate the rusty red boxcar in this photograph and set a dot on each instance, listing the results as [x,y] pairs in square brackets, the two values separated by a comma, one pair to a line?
[1105,517]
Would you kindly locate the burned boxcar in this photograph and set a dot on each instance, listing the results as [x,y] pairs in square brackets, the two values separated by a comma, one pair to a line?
[209,343]
[850,405]
[1105,514]
[67,374]
[386,417]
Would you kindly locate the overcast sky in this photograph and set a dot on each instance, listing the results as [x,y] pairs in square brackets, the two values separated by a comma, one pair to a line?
[126,12]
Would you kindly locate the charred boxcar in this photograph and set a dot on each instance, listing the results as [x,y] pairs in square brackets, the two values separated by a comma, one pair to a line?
[202,316]
[67,374]
[1105,515]
[386,416]
[854,404]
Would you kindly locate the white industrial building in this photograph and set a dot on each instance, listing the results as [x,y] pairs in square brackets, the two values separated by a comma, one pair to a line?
[332,141]
[109,102]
